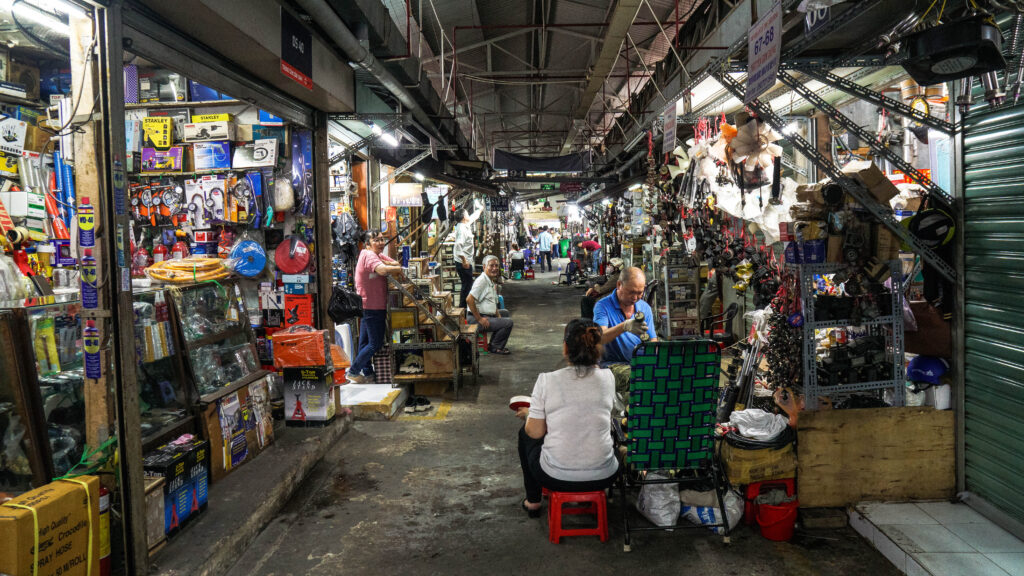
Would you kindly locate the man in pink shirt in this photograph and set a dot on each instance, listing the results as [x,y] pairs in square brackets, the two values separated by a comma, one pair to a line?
[372,286]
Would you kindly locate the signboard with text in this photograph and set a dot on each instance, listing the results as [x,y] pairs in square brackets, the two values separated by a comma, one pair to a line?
[668,118]
[764,43]
[296,50]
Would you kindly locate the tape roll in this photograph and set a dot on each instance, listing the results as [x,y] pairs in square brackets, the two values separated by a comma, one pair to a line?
[251,258]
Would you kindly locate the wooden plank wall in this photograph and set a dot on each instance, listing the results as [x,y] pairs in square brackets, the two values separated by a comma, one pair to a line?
[887,454]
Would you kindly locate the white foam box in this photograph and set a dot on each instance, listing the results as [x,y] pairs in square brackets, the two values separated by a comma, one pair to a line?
[206,131]
[372,401]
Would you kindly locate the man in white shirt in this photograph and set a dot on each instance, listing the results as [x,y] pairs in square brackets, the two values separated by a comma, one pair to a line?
[544,243]
[463,250]
[483,306]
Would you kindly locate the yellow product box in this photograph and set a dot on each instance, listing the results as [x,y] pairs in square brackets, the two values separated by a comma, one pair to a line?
[52,530]
[158,132]
[196,118]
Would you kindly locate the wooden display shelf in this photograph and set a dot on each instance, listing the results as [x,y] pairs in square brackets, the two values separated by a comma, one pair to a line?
[7,99]
[233,387]
[200,104]
[214,338]
[195,173]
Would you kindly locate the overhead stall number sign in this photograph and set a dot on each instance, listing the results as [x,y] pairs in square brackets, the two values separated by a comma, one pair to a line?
[764,43]
[296,50]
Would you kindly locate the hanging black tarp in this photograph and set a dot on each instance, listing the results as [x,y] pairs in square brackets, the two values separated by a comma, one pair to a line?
[578,162]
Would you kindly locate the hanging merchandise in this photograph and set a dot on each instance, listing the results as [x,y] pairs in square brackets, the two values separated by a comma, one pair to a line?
[292,255]
[86,223]
[302,171]
[91,344]
[250,259]
[90,290]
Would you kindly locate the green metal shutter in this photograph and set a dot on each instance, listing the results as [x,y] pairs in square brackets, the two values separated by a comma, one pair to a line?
[993,161]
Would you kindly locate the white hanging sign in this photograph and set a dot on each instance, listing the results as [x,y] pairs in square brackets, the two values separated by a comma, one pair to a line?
[764,43]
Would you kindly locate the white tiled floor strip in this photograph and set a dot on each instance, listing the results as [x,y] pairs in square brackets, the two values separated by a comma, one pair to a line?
[939,538]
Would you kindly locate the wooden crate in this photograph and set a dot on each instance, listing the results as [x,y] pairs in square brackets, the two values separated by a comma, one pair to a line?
[439,361]
[403,318]
[894,454]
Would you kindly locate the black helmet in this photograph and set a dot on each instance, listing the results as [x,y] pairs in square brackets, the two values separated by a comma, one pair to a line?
[933,227]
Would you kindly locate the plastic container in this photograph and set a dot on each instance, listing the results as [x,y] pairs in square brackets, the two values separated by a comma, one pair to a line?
[777,522]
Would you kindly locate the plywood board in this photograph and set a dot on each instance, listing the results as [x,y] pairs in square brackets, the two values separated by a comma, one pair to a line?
[889,454]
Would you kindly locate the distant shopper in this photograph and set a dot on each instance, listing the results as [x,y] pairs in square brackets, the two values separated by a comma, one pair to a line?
[592,250]
[372,285]
[483,307]
[544,244]
[517,260]
[464,250]
[565,444]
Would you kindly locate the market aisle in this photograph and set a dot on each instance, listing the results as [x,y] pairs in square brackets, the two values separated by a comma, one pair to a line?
[442,496]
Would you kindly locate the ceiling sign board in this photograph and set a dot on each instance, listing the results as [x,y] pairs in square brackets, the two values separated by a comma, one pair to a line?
[668,117]
[815,19]
[764,42]
[547,186]
[570,187]
[296,50]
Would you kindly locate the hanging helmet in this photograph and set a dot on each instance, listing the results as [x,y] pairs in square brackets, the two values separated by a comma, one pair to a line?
[926,370]
[933,227]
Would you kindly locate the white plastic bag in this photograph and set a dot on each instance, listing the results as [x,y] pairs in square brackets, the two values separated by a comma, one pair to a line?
[705,515]
[659,503]
[758,424]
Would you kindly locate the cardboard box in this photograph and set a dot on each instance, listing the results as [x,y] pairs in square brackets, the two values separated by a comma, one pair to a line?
[439,361]
[746,466]
[308,396]
[211,155]
[161,86]
[66,512]
[877,183]
[887,244]
[36,139]
[12,136]
[834,249]
[158,132]
[155,534]
[184,470]
[207,131]
[810,193]
[238,426]
[256,154]
[169,160]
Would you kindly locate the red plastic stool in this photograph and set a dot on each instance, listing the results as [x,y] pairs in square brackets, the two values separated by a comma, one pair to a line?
[481,340]
[597,505]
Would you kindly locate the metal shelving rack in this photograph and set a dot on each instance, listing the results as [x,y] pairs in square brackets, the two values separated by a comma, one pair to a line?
[894,337]
[681,292]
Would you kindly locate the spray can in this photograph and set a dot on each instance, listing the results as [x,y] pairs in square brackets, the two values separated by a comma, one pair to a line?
[91,341]
[104,531]
[90,293]
[86,224]
[639,317]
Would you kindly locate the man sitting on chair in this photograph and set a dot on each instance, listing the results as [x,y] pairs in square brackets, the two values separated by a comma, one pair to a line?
[483,304]
[616,314]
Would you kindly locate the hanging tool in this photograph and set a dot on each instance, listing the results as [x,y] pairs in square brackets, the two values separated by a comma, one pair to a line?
[965,99]
[993,95]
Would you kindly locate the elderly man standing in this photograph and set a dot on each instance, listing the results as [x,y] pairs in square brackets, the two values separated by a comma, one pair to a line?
[483,304]
[616,313]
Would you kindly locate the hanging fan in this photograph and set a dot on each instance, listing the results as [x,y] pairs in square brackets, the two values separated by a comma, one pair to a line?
[955,50]
[754,145]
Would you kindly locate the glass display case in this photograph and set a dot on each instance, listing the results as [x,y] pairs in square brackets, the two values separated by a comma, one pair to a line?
[219,345]
[42,389]
[164,398]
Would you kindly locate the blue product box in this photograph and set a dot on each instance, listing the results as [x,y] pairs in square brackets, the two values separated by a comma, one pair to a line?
[269,119]
[199,93]
[212,155]
[296,288]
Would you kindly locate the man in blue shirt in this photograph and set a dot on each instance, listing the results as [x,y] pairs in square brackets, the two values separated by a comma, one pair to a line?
[544,246]
[616,314]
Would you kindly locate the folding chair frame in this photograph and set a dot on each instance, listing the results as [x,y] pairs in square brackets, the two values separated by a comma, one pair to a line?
[702,472]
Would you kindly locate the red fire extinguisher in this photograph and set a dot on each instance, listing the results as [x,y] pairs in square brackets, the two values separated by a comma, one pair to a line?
[159,252]
[104,531]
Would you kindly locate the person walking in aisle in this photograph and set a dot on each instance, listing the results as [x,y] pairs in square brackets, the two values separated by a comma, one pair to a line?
[464,250]
[544,243]
[372,285]
[483,306]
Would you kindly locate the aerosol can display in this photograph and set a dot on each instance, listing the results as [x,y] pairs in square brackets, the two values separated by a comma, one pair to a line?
[86,224]
[91,343]
[90,293]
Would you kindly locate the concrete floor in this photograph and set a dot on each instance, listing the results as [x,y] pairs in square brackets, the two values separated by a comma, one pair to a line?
[441,496]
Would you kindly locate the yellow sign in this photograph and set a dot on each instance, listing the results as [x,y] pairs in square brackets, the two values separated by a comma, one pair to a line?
[211,118]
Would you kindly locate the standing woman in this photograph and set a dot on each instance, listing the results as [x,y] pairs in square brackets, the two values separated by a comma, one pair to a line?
[566,444]
[372,286]
[464,250]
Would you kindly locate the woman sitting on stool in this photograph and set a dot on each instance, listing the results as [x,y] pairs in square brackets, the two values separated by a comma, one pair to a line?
[566,444]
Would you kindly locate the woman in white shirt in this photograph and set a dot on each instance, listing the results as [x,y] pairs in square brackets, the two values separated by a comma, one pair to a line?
[566,444]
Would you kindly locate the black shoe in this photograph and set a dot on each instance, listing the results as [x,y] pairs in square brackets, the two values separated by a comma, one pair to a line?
[410,404]
[531,513]
[422,404]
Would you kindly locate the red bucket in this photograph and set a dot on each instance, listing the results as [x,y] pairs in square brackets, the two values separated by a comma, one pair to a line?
[777,522]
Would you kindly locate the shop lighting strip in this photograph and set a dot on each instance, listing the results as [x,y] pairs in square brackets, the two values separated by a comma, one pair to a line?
[859,193]
[879,99]
[869,138]
[357,146]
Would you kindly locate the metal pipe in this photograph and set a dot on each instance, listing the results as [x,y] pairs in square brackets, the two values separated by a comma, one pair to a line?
[328,20]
